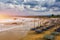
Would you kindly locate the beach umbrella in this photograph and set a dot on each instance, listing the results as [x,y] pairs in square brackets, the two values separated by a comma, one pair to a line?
[33,29]
[49,37]
[57,30]
[38,31]
[54,33]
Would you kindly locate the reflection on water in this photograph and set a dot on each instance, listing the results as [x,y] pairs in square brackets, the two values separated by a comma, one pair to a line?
[16,29]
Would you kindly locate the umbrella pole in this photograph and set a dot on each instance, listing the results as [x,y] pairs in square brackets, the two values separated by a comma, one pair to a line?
[34,22]
[38,22]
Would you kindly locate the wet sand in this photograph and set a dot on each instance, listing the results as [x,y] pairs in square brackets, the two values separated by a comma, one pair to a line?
[16,31]
[19,31]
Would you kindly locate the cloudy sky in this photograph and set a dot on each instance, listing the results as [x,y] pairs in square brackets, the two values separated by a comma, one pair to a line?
[29,7]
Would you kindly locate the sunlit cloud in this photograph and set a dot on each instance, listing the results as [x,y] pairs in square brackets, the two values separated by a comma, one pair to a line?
[27,7]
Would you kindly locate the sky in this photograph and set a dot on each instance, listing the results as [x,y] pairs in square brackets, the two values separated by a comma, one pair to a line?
[29,7]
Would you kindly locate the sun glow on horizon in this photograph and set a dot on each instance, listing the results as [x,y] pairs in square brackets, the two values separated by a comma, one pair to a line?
[3,16]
